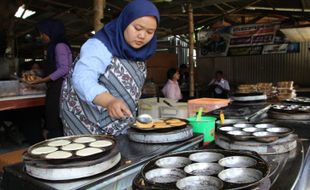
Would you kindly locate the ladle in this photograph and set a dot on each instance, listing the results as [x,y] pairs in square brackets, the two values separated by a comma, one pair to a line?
[144,118]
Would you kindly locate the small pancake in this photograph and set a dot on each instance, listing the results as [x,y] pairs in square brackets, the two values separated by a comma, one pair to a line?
[73,146]
[59,143]
[159,122]
[160,125]
[43,150]
[180,123]
[144,125]
[170,121]
[84,140]
[88,151]
[59,155]
[101,143]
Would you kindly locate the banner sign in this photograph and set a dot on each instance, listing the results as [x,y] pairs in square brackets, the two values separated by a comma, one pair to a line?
[276,48]
[251,39]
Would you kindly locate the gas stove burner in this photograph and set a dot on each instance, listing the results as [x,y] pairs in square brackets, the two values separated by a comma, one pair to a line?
[279,146]
[71,157]
[153,137]
[74,170]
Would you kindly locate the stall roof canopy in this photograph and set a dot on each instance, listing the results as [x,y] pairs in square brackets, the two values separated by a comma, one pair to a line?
[77,16]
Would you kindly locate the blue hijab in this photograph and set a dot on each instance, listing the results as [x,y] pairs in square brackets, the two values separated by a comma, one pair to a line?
[112,34]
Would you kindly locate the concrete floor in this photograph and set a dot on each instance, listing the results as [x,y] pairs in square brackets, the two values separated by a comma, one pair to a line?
[11,139]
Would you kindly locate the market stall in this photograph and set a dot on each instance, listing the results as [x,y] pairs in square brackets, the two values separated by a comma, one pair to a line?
[257,44]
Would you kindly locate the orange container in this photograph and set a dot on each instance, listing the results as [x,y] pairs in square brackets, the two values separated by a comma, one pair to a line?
[208,104]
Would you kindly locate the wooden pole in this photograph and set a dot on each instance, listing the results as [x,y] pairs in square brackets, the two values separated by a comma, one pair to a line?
[10,49]
[191,50]
[99,6]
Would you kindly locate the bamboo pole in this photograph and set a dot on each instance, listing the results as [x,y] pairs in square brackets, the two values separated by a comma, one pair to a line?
[10,50]
[191,50]
[99,6]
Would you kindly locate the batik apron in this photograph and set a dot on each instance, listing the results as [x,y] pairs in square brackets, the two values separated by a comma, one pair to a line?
[123,79]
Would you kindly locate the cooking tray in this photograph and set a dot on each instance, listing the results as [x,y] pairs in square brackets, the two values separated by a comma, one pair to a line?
[299,100]
[165,129]
[246,97]
[28,156]
[291,108]
[240,112]
[290,112]
[262,132]
[248,94]
[257,164]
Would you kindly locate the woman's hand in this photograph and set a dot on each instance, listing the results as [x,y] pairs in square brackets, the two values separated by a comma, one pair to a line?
[36,81]
[219,86]
[116,107]
[39,80]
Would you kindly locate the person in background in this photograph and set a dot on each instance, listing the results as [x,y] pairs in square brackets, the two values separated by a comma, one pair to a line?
[59,59]
[171,89]
[184,76]
[36,69]
[106,81]
[218,86]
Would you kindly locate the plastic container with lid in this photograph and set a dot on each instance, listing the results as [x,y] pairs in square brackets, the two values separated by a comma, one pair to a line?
[208,104]
[9,88]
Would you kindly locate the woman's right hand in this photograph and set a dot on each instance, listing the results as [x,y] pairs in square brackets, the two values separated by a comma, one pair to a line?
[116,107]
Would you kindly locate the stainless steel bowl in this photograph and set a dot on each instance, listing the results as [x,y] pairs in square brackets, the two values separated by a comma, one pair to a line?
[240,175]
[237,162]
[288,108]
[263,134]
[203,169]
[293,106]
[199,183]
[243,125]
[206,157]
[278,130]
[173,162]
[278,107]
[164,175]
[304,108]
[251,129]
[238,133]
[227,128]
[265,125]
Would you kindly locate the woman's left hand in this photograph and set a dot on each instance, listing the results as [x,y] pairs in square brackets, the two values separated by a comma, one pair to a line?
[36,81]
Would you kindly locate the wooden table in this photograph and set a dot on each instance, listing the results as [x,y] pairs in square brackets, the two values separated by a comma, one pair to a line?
[17,102]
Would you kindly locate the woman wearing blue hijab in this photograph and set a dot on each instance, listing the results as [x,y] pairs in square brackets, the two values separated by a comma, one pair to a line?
[105,84]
